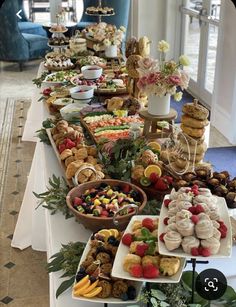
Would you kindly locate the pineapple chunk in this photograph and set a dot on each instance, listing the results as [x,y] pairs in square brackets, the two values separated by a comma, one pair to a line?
[109,192]
[97,202]
[106,201]
[169,266]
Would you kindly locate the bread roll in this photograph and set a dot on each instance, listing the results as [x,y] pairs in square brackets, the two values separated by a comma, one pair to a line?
[195,110]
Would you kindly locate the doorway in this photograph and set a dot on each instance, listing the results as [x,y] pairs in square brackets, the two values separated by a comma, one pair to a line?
[200,25]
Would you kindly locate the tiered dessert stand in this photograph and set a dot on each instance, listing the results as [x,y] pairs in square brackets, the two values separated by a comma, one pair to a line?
[100,15]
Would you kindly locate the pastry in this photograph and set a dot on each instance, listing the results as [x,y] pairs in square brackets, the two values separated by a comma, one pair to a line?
[91,160]
[131,47]
[216,234]
[185,227]
[169,266]
[203,216]
[194,132]
[204,199]
[194,149]
[72,168]
[192,122]
[204,229]
[191,141]
[155,260]
[106,289]
[205,192]
[188,243]
[115,103]
[195,110]
[213,244]
[187,197]
[65,154]
[69,160]
[172,240]
[137,172]
[81,154]
[171,227]
[103,257]
[144,46]
[136,225]
[184,205]
[172,211]
[92,151]
[129,260]
[119,287]
[183,214]
[132,65]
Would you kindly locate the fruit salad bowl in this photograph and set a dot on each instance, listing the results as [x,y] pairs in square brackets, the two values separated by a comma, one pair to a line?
[106,203]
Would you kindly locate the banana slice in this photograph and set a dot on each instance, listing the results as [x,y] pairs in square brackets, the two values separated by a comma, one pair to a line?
[93,293]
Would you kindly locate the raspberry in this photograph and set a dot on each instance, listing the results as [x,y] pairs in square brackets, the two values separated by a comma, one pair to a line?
[199,209]
[148,223]
[195,219]
[192,210]
[161,237]
[141,249]
[153,177]
[223,227]
[61,148]
[194,251]
[166,219]
[195,187]
[195,192]
[221,222]
[223,233]
[205,252]
[150,271]
[127,239]
[136,270]
[166,202]
[200,248]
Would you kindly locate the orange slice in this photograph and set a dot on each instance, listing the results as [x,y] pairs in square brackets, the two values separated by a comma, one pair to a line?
[105,232]
[81,290]
[81,283]
[154,145]
[152,169]
[93,293]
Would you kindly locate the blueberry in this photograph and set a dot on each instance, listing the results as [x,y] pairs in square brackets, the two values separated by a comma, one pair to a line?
[111,239]
[116,243]
[124,297]
[131,293]
[92,279]
[135,195]
[79,276]
[110,214]
[103,185]
[82,270]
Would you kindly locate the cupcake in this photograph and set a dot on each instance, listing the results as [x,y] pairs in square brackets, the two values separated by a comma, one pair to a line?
[172,240]
[204,229]
[185,227]
[214,216]
[212,244]
[188,243]
[172,211]
[185,197]
[203,216]
[184,205]
[171,227]
[183,214]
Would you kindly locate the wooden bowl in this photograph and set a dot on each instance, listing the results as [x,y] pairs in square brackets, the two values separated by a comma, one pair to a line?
[96,223]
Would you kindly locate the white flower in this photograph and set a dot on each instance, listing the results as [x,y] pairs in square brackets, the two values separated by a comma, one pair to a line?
[123,29]
[178,96]
[107,42]
[184,60]
[96,47]
[163,46]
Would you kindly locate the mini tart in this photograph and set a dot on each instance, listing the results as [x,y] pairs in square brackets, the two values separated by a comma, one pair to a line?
[172,240]
[185,227]
[204,229]
[189,242]
[212,243]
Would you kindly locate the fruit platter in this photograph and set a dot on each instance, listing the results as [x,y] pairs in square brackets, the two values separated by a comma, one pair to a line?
[94,281]
[106,126]
[193,224]
[106,202]
[79,161]
[138,258]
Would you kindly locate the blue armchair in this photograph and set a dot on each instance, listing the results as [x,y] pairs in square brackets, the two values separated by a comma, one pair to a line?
[14,45]
[121,17]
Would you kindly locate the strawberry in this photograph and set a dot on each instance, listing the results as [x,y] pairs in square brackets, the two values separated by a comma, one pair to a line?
[205,252]
[141,249]
[148,223]
[150,271]
[195,219]
[127,239]
[192,210]
[161,184]
[161,237]
[169,179]
[126,189]
[136,270]
[166,202]
[153,177]
[78,201]
[61,148]
[166,219]
[199,209]
[104,213]
[194,251]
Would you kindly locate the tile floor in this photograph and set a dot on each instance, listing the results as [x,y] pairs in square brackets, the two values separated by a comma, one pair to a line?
[23,279]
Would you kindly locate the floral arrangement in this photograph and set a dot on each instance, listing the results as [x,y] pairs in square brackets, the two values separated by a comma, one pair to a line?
[105,34]
[161,77]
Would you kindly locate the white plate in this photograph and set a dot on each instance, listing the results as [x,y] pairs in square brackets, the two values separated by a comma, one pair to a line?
[123,250]
[62,101]
[109,300]
[226,243]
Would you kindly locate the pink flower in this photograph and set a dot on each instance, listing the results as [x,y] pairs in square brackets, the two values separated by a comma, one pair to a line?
[142,82]
[153,78]
[174,80]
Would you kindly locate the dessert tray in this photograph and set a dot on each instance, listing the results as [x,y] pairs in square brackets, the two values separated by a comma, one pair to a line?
[118,270]
[225,248]
[110,299]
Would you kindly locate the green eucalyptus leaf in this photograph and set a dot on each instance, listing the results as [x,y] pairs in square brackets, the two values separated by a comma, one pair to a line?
[187,279]
[154,302]
[229,295]
[64,286]
[164,304]
[158,294]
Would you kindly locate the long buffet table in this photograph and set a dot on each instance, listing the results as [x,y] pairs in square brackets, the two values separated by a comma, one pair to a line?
[46,232]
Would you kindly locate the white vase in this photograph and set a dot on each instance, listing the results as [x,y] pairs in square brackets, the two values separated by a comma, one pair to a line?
[111,51]
[159,105]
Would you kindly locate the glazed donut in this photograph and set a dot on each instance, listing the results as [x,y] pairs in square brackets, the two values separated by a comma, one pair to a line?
[132,65]
[195,110]
[144,46]
[192,122]
[193,132]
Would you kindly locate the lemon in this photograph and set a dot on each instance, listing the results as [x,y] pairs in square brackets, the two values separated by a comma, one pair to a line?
[154,145]
[152,169]
[105,232]
[82,289]
[81,283]
[94,292]
[114,232]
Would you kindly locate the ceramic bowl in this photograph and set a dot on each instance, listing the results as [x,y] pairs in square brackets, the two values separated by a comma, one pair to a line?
[82,93]
[91,72]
